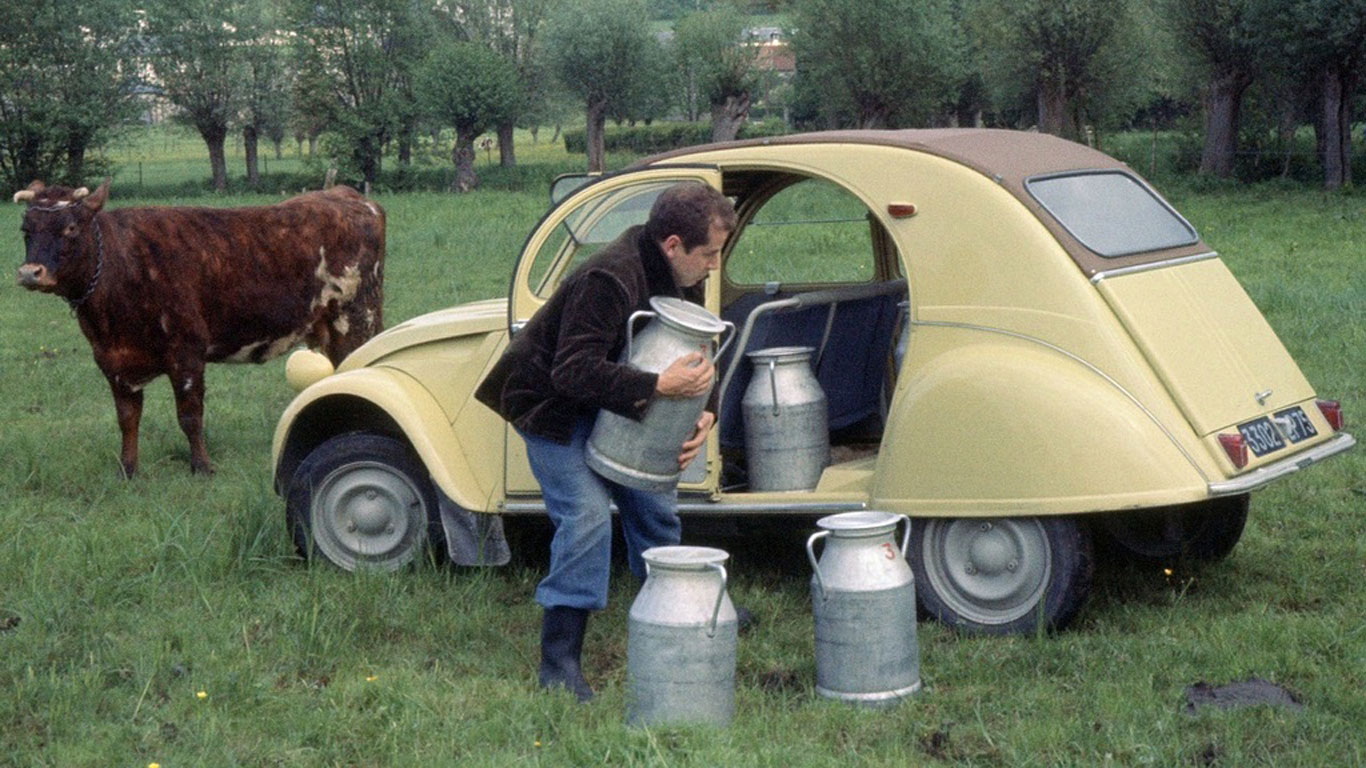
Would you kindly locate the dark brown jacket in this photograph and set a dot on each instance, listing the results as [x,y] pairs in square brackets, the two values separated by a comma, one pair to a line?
[562,366]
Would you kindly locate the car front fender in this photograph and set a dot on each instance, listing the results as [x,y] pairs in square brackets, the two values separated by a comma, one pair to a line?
[387,401]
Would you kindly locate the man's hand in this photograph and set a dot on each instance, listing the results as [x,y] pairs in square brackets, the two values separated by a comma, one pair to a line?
[688,376]
[694,443]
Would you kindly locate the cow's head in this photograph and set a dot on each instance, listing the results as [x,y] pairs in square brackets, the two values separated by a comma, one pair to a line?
[57,235]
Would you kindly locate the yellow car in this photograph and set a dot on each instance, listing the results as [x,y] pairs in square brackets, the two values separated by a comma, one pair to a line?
[1021,343]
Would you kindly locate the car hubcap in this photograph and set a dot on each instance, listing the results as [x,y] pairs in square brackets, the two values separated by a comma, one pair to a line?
[987,571]
[365,514]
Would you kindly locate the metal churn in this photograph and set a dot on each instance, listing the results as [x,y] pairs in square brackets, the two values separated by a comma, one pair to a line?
[787,434]
[863,603]
[644,454]
[681,637]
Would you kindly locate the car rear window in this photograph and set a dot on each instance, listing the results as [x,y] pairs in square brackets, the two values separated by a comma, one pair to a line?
[1112,213]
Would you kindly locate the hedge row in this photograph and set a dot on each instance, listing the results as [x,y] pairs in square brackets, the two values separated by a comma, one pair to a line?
[661,137]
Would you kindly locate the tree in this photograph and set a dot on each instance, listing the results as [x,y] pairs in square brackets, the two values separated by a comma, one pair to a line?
[469,86]
[196,54]
[512,28]
[66,86]
[365,51]
[1072,64]
[716,60]
[887,62]
[1225,37]
[1325,42]
[265,99]
[599,48]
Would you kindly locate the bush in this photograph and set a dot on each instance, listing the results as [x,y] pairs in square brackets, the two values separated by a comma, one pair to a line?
[662,137]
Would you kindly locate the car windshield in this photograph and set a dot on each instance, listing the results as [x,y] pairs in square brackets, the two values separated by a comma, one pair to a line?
[1111,213]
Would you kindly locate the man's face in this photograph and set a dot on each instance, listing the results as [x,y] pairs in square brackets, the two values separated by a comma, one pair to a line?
[691,265]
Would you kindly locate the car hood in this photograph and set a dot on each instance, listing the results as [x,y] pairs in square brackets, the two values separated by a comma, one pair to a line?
[463,320]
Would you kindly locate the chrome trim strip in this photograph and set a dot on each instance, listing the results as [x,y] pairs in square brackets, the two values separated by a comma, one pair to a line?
[1099,276]
[1093,369]
[722,508]
[1289,465]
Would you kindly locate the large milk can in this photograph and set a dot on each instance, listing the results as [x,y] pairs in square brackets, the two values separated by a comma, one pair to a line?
[863,603]
[644,454]
[787,438]
[681,636]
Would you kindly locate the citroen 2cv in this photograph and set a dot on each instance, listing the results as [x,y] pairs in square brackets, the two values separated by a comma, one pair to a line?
[1021,343]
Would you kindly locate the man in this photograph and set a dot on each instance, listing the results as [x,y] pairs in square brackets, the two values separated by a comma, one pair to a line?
[562,368]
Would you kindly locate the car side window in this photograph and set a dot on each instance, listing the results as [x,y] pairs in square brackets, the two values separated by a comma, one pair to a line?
[589,228]
[813,231]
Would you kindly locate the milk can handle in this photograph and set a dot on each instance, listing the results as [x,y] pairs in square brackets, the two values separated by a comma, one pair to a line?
[905,537]
[630,328]
[722,349]
[773,383]
[720,596]
[811,555]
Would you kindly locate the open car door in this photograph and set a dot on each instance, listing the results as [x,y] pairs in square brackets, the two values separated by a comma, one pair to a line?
[581,225]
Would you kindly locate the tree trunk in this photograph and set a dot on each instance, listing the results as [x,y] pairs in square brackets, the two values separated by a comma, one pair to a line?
[1223,100]
[405,144]
[593,133]
[75,157]
[1052,105]
[507,153]
[535,131]
[217,161]
[728,116]
[554,137]
[1335,138]
[462,156]
[249,144]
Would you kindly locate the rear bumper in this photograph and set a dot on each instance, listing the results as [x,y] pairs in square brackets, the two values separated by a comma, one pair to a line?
[1289,465]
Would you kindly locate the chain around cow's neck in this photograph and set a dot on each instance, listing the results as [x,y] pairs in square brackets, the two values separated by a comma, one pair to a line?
[75,304]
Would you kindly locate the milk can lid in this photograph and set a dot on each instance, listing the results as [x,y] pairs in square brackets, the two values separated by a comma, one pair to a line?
[859,522]
[781,354]
[687,315]
[685,557]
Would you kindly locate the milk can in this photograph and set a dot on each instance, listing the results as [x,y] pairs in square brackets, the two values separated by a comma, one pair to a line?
[681,636]
[644,454]
[863,603]
[787,440]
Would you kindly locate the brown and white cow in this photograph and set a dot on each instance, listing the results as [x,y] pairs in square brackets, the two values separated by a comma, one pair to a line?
[166,290]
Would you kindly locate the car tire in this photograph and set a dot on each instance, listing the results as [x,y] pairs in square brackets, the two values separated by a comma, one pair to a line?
[1001,576]
[363,501]
[1204,532]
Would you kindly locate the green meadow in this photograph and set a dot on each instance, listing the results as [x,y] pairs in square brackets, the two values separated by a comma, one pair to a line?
[166,619]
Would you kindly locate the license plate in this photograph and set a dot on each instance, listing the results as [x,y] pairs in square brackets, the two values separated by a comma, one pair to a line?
[1261,437]
[1294,424]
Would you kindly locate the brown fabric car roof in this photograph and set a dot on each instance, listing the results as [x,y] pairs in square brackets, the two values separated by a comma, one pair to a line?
[1008,157]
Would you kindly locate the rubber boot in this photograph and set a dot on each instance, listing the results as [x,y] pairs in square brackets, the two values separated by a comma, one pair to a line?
[562,632]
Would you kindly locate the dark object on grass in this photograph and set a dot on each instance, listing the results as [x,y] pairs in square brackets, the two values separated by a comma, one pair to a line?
[1248,693]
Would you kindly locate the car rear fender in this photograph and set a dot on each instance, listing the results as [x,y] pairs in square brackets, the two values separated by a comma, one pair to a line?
[1002,424]
[386,401]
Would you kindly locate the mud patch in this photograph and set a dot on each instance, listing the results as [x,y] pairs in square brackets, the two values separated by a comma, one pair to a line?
[1248,693]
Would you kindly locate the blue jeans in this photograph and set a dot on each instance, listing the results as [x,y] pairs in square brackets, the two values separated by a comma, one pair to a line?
[578,502]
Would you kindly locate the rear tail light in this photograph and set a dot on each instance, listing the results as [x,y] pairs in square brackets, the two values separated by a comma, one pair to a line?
[1332,411]
[1235,448]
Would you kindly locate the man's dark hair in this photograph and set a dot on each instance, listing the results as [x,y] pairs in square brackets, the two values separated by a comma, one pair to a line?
[688,210]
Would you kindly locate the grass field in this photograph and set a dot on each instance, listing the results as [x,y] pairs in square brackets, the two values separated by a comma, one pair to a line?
[166,619]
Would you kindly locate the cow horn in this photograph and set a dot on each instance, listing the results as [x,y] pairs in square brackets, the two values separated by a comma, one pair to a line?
[24,195]
[80,193]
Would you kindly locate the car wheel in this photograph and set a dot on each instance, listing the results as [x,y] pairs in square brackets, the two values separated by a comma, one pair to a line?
[363,501]
[1001,576]
[1206,531]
